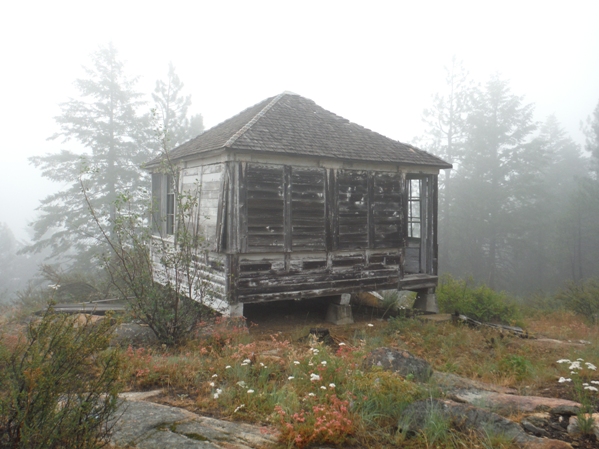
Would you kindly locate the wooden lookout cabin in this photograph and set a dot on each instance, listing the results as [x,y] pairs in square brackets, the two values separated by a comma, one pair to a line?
[296,202]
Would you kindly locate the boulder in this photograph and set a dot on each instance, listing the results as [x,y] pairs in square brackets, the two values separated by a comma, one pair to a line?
[462,416]
[449,382]
[146,425]
[400,362]
[508,404]
[136,335]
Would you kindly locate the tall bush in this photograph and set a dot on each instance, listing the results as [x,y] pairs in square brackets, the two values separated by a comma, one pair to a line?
[58,384]
[479,302]
[582,298]
[165,279]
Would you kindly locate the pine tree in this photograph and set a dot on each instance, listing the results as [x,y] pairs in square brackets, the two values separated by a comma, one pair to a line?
[591,130]
[171,109]
[446,137]
[105,122]
[541,243]
[491,183]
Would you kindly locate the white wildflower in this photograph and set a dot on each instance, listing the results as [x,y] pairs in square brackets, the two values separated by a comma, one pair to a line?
[591,388]
[250,391]
[295,362]
[323,387]
[241,383]
[575,365]
[239,408]
[311,394]
[323,363]
[212,384]
[564,361]
[331,385]
[216,395]
[228,367]
[215,375]
[563,379]
[341,344]
[591,366]
[290,378]
[596,382]
[247,361]
[370,325]
[314,377]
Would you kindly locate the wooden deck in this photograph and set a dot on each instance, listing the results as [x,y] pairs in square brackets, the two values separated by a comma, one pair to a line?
[92,308]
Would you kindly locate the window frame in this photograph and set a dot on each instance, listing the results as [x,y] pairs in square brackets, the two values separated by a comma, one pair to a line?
[163,211]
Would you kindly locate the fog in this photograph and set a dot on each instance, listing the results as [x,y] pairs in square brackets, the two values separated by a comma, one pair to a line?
[375,63]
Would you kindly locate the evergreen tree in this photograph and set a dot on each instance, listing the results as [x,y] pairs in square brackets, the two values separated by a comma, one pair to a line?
[542,242]
[580,223]
[492,183]
[171,109]
[591,130]
[105,122]
[446,137]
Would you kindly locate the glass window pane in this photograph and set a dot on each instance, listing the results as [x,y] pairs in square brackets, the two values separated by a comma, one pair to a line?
[415,188]
[415,230]
[415,210]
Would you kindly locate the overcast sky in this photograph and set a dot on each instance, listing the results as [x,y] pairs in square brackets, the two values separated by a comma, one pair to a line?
[376,63]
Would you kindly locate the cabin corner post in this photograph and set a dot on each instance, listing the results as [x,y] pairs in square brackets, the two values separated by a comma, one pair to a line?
[426,298]
[435,223]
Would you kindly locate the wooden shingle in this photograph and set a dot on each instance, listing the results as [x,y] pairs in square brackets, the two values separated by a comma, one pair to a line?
[292,125]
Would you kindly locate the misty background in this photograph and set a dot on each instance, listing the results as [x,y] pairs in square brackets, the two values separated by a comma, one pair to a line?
[379,64]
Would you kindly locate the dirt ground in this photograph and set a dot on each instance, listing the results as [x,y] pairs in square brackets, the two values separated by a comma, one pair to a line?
[293,319]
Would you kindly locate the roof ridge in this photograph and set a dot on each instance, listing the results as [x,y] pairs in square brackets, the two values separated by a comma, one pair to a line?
[254,119]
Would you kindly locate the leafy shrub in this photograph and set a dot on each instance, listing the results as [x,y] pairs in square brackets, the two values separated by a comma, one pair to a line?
[517,365]
[582,298]
[58,384]
[480,302]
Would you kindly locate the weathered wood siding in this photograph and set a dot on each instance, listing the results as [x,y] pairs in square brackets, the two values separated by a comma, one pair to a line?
[206,277]
[313,274]
[311,231]
[283,231]
[205,184]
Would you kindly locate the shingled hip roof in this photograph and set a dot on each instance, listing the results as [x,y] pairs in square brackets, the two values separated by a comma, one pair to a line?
[292,125]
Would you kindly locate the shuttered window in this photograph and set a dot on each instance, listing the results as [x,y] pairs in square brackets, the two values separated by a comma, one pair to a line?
[265,207]
[308,208]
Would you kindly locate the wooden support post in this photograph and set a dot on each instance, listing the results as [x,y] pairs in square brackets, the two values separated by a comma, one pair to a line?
[236,310]
[426,300]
